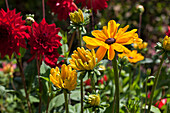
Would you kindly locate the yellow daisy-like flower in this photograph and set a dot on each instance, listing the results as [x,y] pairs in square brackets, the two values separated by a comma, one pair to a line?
[67,79]
[111,39]
[166,43]
[94,100]
[140,45]
[83,59]
[132,56]
[77,16]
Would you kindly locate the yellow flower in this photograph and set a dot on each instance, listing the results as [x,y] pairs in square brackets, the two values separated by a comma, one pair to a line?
[67,79]
[111,39]
[94,100]
[77,17]
[83,59]
[132,56]
[166,43]
[140,45]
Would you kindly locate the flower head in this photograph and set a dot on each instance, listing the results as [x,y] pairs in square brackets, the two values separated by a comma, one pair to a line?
[77,16]
[93,4]
[161,103]
[94,100]
[140,45]
[62,7]
[111,39]
[166,43]
[12,32]
[132,56]
[168,32]
[44,41]
[83,59]
[67,79]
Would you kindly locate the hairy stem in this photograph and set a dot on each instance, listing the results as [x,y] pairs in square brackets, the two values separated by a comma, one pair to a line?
[23,81]
[116,75]
[43,6]
[81,95]
[6,2]
[155,83]
[66,101]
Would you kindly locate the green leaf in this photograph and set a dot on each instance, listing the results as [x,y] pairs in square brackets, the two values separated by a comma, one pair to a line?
[56,102]
[45,78]
[22,52]
[33,99]
[44,68]
[153,109]
[2,90]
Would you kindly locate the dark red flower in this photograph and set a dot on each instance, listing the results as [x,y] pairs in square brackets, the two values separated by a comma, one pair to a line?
[44,41]
[62,7]
[93,4]
[88,82]
[168,32]
[12,32]
[105,78]
[160,103]
[101,81]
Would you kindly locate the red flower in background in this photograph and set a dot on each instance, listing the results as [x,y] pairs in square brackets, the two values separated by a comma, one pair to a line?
[168,32]
[12,32]
[93,4]
[44,41]
[62,7]
[160,103]
[101,81]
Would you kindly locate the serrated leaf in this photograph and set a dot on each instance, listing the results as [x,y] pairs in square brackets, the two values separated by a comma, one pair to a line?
[153,109]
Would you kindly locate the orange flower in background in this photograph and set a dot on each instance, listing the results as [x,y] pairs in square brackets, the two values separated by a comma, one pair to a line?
[110,38]
[132,56]
[140,45]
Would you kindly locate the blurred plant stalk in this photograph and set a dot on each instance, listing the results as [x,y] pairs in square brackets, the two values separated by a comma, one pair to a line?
[155,83]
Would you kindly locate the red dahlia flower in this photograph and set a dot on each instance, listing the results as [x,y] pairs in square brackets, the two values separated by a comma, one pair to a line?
[44,41]
[62,7]
[168,32]
[12,32]
[161,103]
[93,4]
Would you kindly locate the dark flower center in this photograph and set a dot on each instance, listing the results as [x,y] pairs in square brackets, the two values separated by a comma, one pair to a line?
[131,57]
[4,32]
[110,41]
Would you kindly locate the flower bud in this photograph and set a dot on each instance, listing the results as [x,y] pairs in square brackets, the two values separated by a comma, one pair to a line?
[77,16]
[140,8]
[29,19]
[166,43]
[94,100]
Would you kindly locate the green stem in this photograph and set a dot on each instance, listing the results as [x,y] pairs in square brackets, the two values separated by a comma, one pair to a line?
[155,83]
[66,101]
[130,80]
[116,75]
[79,37]
[81,95]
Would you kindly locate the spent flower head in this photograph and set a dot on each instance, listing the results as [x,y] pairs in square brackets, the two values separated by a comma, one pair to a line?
[67,79]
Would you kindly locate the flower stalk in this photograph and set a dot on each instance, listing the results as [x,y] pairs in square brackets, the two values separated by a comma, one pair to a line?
[40,85]
[116,75]
[43,6]
[6,2]
[81,83]
[155,83]
[66,101]
[23,81]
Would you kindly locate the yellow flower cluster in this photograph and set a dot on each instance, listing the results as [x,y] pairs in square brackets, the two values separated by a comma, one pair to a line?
[83,59]
[77,16]
[166,43]
[94,100]
[140,45]
[132,56]
[67,79]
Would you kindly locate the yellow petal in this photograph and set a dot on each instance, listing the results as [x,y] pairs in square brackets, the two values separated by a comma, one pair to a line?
[99,35]
[112,28]
[100,53]
[91,47]
[95,42]
[111,53]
